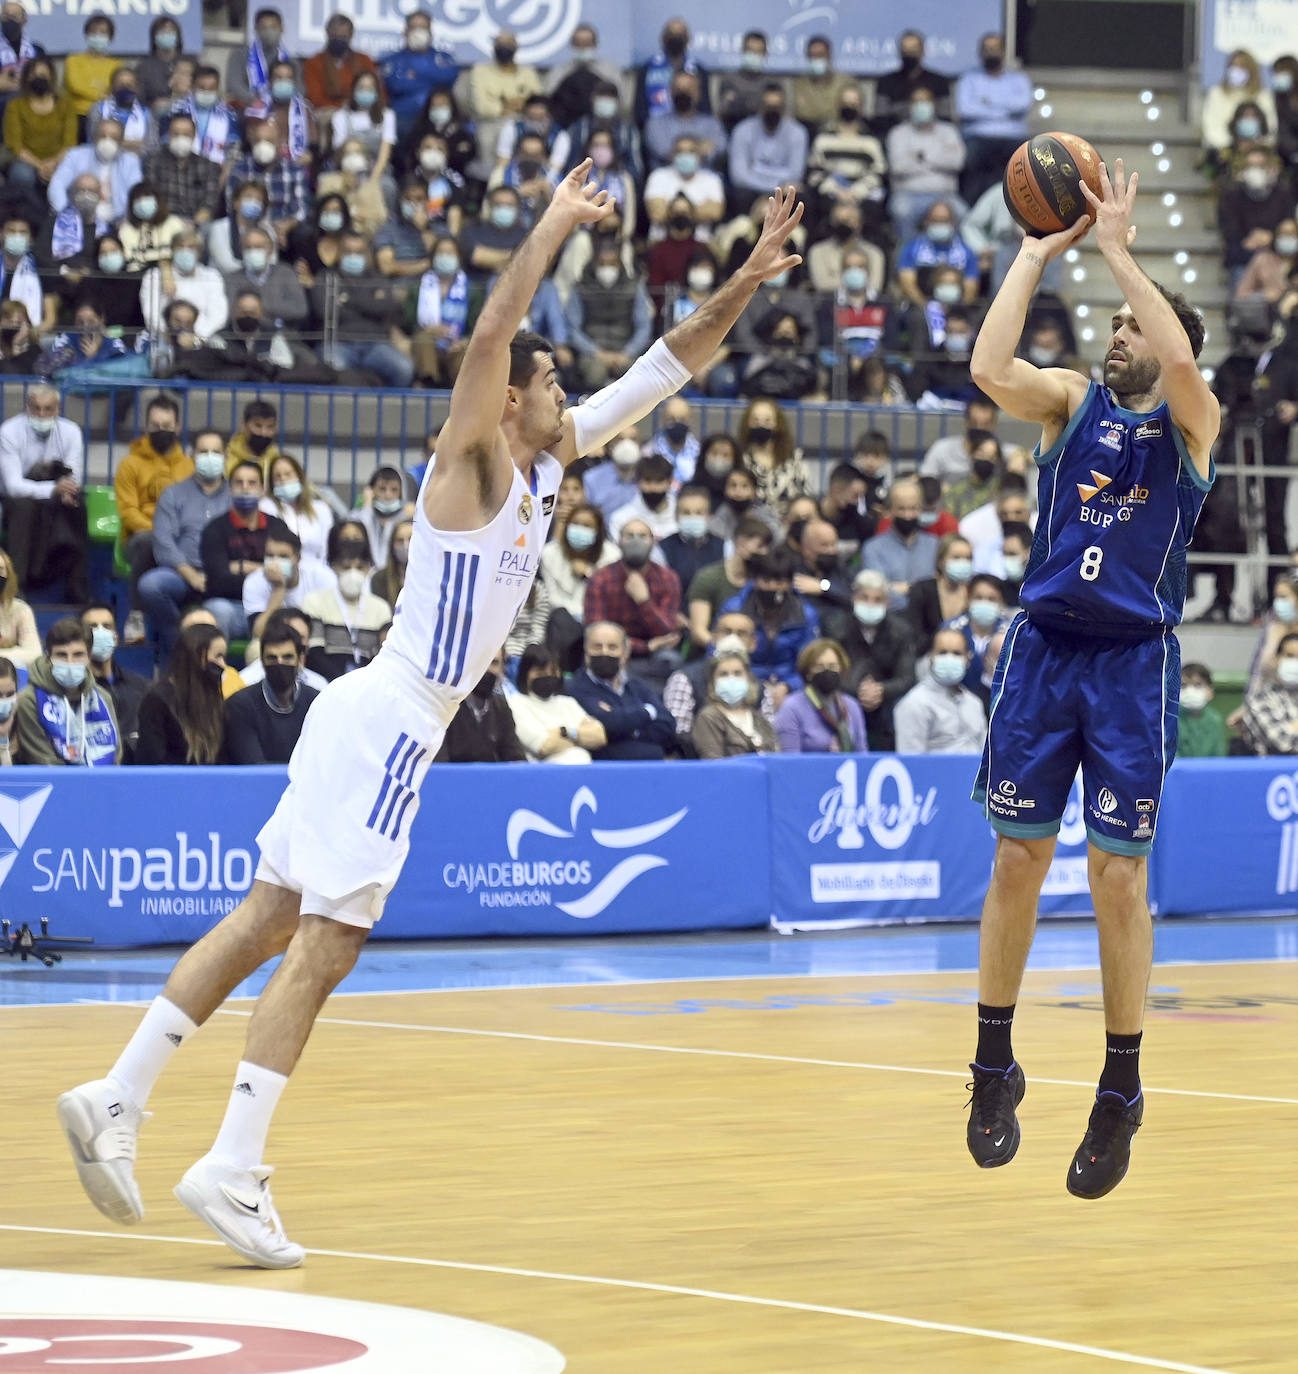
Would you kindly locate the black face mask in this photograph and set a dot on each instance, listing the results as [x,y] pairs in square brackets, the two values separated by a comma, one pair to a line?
[215,673]
[677,432]
[546,685]
[653,499]
[992,64]
[680,224]
[39,85]
[528,169]
[739,504]
[983,469]
[674,45]
[905,525]
[842,232]
[9,333]
[13,33]
[909,62]
[770,599]
[337,47]
[682,103]
[504,53]
[760,434]
[826,564]
[485,685]
[848,114]
[162,440]
[257,443]
[247,324]
[605,666]
[771,118]
[827,681]
[280,677]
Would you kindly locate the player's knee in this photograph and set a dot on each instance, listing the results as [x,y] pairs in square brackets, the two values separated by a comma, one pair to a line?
[1118,880]
[1022,861]
[329,947]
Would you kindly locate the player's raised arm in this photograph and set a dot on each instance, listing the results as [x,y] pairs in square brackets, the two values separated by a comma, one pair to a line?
[1195,410]
[674,359]
[1044,395]
[478,398]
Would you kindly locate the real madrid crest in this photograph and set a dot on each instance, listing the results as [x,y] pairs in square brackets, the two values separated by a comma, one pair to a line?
[525,509]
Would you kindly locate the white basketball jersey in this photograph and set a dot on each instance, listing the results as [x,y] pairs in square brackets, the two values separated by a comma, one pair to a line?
[464,590]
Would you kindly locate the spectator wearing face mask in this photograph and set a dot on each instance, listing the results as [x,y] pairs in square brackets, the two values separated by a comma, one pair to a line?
[1280,620]
[551,726]
[731,725]
[286,194]
[347,619]
[182,717]
[948,458]
[686,112]
[388,580]
[295,619]
[1201,730]
[893,90]
[500,88]
[263,721]
[487,244]
[445,190]
[385,508]
[233,546]
[881,655]
[785,623]
[40,125]
[767,149]
[254,440]
[366,120]
[328,76]
[611,484]
[692,547]
[19,278]
[248,73]
[610,321]
[992,105]
[84,347]
[925,158]
[903,553]
[284,579]
[636,723]
[817,92]
[606,114]
[780,367]
[686,692]
[115,170]
[188,182]
[654,503]
[482,730]
[717,583]
[1241,83]
[367,207]
[404,246]
[984,526]
[676,442]
[844,507]
[985,471]
[847,164]
[139,133]
[943,377]
[360,311]
[8,704]
[282,299]
[126,688]
[68,249]
[248,204]
[216,122]
[936,600]
[1007,558]
[183,277]
[819,717]
[1269,718]
[415,70]
[685,177]
[574,83]
[1270,268]
[41,470]
[644,597]
[938,244]
[985,617]
[1252,206]
[88,75]
[441,317]
[682,275]
[820,578]
[19,641]
[738,501]
[940,715]
[62,717]
[294,500]
[568,562]
[184,510]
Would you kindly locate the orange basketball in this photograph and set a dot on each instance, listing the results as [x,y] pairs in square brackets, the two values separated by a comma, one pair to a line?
[1043,182]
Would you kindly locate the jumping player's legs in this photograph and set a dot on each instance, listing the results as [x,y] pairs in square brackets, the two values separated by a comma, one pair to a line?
[1009,917]
[1118,888]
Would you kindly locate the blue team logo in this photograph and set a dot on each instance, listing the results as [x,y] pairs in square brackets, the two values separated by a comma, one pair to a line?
[20,809]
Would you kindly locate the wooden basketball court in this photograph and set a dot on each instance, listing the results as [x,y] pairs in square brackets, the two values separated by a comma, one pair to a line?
[761,1175]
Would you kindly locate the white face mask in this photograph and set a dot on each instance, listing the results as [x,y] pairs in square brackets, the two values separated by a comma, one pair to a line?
[868,612]
[1286,671]
[106,149]
[626,453]
[351,582]
[1285,610]
[181,145]
[607,275]
[732,690]
[1194,697]
[948,669]
[419,39]
[263,151]
[355,163]
[1236,76]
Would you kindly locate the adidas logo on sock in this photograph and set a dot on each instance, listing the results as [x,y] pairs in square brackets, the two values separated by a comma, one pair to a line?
[174,1038]
[245,1089]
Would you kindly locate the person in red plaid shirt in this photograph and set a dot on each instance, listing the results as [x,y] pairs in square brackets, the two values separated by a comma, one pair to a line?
[644,597]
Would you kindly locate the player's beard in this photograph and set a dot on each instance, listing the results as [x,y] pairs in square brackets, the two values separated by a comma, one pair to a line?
[1134,377]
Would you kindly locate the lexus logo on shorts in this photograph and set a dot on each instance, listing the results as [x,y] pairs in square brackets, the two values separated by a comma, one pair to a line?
[1107,802]
[1008,788]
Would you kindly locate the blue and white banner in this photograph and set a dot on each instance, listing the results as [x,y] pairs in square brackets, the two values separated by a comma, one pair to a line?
[863,33]
[1266,28]
[57,24]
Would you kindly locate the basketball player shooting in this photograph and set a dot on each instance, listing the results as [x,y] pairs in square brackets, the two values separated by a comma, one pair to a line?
[1090,671]
[336,843]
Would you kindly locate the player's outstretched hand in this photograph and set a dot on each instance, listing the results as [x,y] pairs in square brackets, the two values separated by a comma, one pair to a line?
[783,215]
[1050,246]
[1113,226]
[578,202]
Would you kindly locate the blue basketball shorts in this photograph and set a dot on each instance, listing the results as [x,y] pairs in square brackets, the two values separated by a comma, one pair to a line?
[1060,701]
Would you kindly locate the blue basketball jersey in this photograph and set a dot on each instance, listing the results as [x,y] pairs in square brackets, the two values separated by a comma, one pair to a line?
[1119,495]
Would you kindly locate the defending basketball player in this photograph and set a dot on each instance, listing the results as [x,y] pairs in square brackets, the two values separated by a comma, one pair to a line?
[1090,671]
[336,843]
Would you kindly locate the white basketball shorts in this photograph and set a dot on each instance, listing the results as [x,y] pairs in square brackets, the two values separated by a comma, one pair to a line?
[341,831]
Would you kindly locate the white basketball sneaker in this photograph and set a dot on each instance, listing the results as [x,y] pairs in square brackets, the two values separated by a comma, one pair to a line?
[102,1125]
[236,1204]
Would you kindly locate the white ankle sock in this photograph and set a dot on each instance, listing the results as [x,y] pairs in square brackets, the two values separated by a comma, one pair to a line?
[242,1138]
[162,1032]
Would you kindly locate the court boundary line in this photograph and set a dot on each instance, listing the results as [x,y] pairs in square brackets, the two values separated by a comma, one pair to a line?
[139,1003]
[679,1290]
[750,1054]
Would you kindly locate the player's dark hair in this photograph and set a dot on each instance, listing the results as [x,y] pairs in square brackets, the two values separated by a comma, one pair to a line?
[533,657]
[1191,320]
[67,629]
[1199,670]
[259,410]
[523,348]
[775,566]
[1016,529]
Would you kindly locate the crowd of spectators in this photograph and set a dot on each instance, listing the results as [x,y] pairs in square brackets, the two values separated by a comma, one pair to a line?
[342,221]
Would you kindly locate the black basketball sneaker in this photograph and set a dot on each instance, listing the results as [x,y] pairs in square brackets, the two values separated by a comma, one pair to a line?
[1101,1161]
[993,1128]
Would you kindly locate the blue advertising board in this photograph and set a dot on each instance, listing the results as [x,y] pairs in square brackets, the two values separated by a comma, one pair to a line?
[57,24]
[863,34]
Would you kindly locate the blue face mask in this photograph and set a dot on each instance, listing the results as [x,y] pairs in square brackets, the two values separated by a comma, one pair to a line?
[686,163]
[245,501]
[7,705]
[694,526]
[145,207]
[948,669]
[102,643]
[16,245]
[580,537]
[185,259]
[331,221]
[287,492]
[503,216]
[855,279]
[282,90]
[69,675]
[364,98]
[250,209]
[352,264]
[984,614]
[959,570]
[446,264]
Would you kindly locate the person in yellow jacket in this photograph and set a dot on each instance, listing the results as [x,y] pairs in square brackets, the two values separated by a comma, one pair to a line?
[154,461]
[255,441]
[88,76]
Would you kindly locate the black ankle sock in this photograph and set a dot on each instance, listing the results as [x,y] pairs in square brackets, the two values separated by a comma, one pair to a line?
[994,1026]
[1121,1066]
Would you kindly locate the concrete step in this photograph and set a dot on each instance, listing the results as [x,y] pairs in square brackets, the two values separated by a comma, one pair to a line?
[1164,266]
[1090,113]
